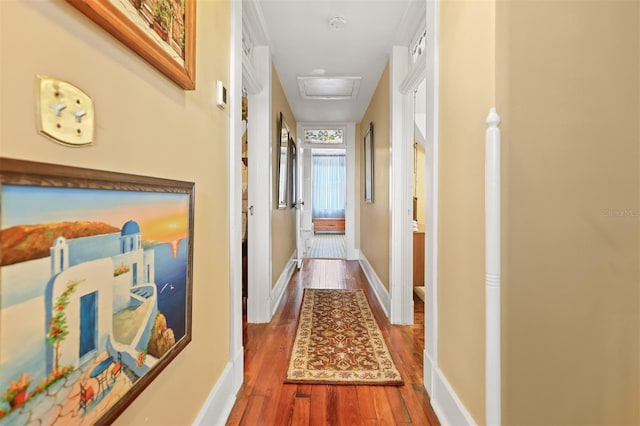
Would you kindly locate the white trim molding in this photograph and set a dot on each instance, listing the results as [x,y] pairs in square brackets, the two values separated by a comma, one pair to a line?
[254,23]
[216,409]
[400,190]
[352,200]
[493,277]
[416,74]
[249,78]
[412,22]
[432,184]
[260,193]
[375,282]
[446,403]
[236,351]
[281,285]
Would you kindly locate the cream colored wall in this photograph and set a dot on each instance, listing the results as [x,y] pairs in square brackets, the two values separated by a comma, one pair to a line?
[568,94]
[466,43]
[283,242]
[145,125]
[374,217]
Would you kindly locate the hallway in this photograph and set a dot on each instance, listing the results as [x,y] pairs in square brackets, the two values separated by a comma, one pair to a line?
[266,400]
[327,246]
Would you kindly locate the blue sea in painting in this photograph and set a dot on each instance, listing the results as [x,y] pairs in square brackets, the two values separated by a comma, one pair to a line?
[171,281]
[26,301]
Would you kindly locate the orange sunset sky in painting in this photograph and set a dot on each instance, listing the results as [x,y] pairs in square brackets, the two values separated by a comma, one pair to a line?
[167,228]
[162,217]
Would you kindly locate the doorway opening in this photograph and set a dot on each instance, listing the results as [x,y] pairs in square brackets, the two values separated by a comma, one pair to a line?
[328,204]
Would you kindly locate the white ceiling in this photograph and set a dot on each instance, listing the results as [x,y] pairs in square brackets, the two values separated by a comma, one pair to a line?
[302,42]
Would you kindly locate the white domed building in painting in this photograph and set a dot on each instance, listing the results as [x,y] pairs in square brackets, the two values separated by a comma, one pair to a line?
[112,298]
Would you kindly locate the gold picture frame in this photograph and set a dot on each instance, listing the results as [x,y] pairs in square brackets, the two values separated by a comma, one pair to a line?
[160,31]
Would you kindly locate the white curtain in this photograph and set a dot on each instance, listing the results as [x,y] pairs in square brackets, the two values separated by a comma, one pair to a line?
[329,186]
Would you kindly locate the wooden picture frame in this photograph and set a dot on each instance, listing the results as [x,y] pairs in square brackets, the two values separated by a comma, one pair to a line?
[160,31]
[368,164]
[96,290]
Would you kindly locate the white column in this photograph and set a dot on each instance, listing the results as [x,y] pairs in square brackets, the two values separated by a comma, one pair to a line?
[492,285]
[400,193]
[352,200]
[260,191]
[432,185]
[235,201]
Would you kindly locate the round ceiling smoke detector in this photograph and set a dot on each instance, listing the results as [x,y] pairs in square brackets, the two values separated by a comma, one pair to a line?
[337,23]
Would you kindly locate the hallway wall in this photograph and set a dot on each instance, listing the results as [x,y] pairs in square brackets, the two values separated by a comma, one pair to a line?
[374,217]
[145,125]
[465,99]
[568,94]
[283,222]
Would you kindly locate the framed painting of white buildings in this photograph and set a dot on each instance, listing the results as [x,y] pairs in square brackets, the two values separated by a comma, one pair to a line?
[95,289]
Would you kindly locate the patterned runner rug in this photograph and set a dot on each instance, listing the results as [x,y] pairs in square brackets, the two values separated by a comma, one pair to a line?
[339,342]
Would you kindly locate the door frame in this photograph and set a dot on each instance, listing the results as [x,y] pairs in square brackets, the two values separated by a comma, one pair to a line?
[350,208]
[235,182]
[427,67]
[432,143]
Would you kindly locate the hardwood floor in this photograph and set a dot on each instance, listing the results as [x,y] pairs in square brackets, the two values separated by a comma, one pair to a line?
[265,400]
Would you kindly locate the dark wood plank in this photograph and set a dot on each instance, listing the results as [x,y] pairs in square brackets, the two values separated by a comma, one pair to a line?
[366,403]
[319,406]
[266,399]
[383,408]
[301,412]
[346,405]
[304,391]
[280,412]
[252,415]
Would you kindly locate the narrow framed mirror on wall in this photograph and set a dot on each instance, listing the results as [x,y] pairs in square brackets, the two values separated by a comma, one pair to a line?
[283,163]
[293,191]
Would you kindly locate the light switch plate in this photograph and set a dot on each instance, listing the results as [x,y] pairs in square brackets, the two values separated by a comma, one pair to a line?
[221,95]
[64,113]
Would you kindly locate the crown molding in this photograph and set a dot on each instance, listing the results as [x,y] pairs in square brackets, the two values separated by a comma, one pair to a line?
[249,76]
[254,23]
[415,17]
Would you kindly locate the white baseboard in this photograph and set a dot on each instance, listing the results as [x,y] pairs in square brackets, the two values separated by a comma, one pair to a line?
[237,372]
[353,254]
[278,290]
[376,284]
[216,409]
[429,368]
[446,404]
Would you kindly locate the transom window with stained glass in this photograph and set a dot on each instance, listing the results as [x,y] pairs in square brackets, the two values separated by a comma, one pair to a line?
[326,136]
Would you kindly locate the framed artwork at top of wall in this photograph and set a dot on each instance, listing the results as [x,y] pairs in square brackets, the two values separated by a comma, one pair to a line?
[160,31]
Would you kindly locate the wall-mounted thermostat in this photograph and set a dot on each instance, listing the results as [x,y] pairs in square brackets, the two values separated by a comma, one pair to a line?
[221,95]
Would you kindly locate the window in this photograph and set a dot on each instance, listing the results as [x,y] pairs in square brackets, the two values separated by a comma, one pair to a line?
[324,136]
[329,186]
